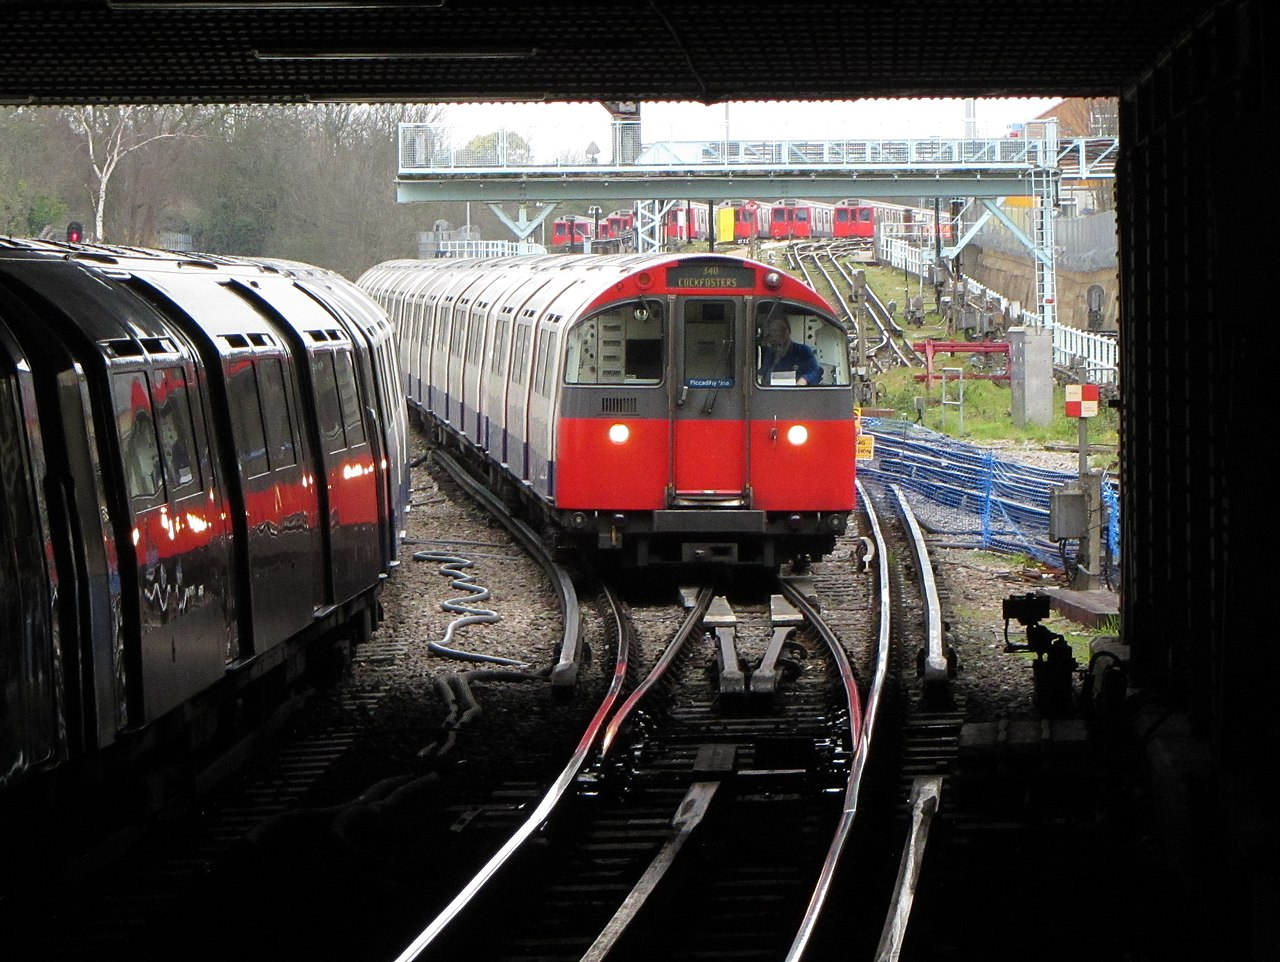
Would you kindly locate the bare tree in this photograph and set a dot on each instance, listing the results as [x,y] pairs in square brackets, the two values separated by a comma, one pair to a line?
[112,133]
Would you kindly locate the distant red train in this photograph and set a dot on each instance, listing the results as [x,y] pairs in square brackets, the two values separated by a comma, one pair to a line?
[854,219]
[789,219]
[572,228]
[686,221]
[618,224]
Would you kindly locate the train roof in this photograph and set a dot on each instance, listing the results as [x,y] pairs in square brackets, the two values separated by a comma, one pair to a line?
[594,276]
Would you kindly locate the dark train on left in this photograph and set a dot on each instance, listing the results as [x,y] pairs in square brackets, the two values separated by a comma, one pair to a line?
[204,481]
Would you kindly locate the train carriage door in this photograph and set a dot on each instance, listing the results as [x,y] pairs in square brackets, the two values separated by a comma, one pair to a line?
[708,413]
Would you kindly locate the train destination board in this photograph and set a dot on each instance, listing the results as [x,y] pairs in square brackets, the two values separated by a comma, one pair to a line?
[711,275]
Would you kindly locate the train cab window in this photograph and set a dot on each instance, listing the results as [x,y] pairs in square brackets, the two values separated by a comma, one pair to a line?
[282,451]
[795,347]
[247,412]
[708,343]
[135,424]
[620,345]
[177,436]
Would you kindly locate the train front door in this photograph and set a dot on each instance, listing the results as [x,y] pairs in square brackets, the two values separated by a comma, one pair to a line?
[708,420]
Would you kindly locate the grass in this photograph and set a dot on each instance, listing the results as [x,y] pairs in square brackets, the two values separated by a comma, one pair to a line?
[987,405]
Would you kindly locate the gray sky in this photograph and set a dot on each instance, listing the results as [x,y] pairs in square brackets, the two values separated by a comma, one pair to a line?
[556,128]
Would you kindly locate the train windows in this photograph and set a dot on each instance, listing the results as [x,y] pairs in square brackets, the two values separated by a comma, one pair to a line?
[475,339]
[708,343]
[797,347]
[349,399]
[328,410]
[281,450]
[543,375]
[137,430]
[246,413]
[177,436]
[522,354]
[459,324]
[499,359]
[17,503]
[620,345]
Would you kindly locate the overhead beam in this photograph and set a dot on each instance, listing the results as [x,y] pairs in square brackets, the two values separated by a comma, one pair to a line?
[591,185]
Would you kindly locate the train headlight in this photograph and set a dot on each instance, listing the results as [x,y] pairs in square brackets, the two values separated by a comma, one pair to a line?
[773,280]
[837,522]
[619,433]
[797,434]
[578,520]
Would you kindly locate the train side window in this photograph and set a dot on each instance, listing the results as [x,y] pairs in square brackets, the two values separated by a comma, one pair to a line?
[328,409]
[246,410]
[17,503]
[708,343]
[349,399]
[522,354]
[543,375]
[135,425]
[177,435]
[459,324]
[499,359]
[281,448]
[475,339]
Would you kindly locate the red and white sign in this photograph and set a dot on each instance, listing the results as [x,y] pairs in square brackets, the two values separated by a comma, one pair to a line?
[1082,400]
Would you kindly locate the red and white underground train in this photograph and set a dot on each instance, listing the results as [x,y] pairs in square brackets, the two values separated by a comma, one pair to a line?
[204,484]
[619,396]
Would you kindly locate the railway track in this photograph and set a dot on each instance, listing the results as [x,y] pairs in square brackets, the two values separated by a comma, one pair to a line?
[718,782]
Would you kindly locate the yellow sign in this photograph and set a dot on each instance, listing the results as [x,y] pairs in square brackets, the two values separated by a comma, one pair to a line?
[866,447]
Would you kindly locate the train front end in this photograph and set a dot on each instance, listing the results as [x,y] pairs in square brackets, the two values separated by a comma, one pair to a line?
[684,438]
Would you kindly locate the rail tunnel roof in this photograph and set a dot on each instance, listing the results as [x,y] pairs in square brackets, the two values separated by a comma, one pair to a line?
[287,51]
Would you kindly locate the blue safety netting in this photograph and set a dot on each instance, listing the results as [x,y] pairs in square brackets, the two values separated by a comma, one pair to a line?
[976,497]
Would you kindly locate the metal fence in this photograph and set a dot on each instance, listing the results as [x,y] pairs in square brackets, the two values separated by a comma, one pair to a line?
[977,498]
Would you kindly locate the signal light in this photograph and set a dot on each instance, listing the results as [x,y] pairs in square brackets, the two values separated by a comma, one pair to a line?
[75,232]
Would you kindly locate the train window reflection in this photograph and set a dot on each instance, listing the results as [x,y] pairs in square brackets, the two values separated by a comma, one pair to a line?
[620,345]
[177,437]
[349,398]
[280,444]
[328,411]
[246,412]
[136,427]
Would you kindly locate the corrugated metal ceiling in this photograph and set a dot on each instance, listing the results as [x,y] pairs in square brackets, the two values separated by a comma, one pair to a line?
[110,51]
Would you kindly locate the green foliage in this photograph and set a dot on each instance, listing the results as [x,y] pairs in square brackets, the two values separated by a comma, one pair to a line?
[44,211]
[987,404]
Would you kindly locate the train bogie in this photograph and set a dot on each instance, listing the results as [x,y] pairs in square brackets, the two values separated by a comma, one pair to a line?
[623,400]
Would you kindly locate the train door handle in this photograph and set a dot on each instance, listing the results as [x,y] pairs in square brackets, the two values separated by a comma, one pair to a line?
[684,393]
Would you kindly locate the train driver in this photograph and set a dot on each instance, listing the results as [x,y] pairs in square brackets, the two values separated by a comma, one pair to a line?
[780,355]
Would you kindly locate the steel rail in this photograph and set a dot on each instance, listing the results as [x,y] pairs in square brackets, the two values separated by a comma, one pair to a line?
[863,723]
[548,800]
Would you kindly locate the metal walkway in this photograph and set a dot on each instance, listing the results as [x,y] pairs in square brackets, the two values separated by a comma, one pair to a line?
[432,169]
